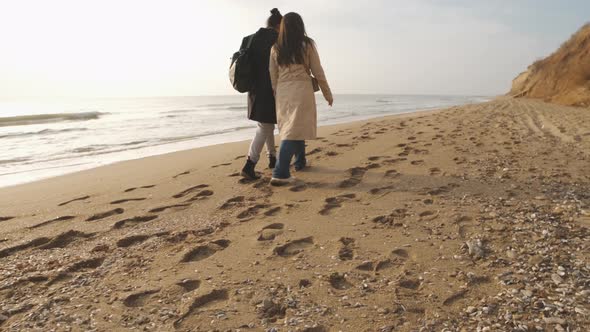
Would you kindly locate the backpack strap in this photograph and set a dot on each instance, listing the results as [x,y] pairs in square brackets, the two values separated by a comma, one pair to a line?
[250,39]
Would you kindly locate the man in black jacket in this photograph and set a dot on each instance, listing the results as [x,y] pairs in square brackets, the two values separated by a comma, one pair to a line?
[261,100]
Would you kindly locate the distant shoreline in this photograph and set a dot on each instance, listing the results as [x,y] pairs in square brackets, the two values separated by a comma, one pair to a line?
[94,134]
[239,137]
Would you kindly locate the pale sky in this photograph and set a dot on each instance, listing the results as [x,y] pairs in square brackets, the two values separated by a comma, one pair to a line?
[120,48]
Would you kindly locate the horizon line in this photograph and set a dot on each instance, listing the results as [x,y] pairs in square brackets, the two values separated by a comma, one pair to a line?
[236,95]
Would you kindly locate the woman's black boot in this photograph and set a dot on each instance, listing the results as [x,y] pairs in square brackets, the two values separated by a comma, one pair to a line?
[248,170]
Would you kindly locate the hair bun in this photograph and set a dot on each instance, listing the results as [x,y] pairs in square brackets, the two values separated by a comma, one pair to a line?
[275,11]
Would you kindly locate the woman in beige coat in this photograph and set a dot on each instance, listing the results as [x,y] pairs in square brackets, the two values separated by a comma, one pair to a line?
[293,60]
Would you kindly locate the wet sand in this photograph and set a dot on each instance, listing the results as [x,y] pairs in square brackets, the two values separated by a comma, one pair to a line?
[467,217]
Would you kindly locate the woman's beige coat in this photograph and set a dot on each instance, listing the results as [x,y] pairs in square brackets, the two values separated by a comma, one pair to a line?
[295,99]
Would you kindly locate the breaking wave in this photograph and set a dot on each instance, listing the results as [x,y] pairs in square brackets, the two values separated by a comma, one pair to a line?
[42,132]
[25,120]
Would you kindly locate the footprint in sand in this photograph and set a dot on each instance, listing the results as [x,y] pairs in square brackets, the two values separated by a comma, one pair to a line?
[6,218]
[232,202]
[138,299]
[189,285]
[224,164]
[366,266]
[64,239]
[79,266]
[346,250]
[174,206]
[383,265]
[85,264]
[335,202]
[397,258]
[409,283]
[417,162]
[201,196]
[460,160]
[304,186]
[263,184]
[133,221]
[142,187]
[272,211]
[202,301]
[437,191]
[250,181]
[204,251]
[107,214]
[23,246]
[190,190]
[394,160]
[45,223]
[393,219]
[128,241]
[74,200]
[379,190]
[428,215]
[422,152]
[455,297]
[181,174]
[270,232]
[400,253]
[372,166]
[294,247]
[252,211]
[435,171]
[392,173]
[121,201]
[356,176]
[314,151]
[298,188]
[338,281]
[31,279]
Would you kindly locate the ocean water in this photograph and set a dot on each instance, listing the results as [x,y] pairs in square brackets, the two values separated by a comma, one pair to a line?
[41,138]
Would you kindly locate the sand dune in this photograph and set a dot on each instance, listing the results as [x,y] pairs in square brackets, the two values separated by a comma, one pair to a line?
[465,218]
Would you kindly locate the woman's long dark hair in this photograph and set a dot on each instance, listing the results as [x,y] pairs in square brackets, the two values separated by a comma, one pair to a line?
[292,41]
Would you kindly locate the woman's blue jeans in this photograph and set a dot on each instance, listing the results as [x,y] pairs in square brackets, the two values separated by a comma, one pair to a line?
[287,151]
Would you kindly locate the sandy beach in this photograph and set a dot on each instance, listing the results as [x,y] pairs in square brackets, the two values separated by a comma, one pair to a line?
[471,218]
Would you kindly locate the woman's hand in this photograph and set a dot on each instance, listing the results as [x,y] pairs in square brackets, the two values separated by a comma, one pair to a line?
[330,101]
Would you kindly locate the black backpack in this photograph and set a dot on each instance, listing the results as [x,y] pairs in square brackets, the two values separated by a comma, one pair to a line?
[241,72]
